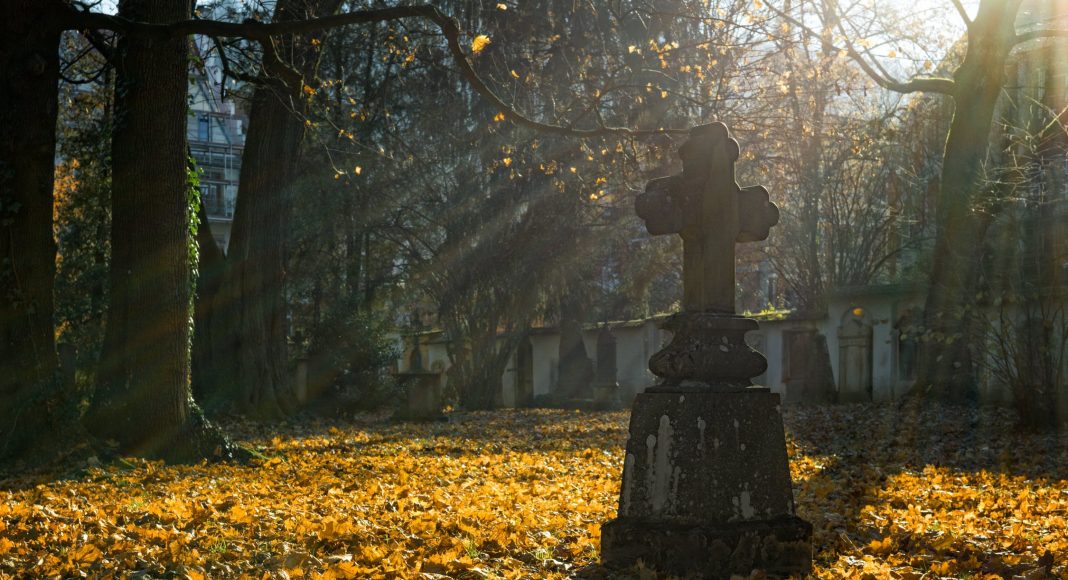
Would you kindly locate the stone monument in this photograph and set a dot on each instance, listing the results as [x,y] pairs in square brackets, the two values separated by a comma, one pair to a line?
[574,369]
[422,388]
[605,386]
[706,488]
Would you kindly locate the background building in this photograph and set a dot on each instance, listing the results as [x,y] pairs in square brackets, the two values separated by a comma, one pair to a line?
[216,134]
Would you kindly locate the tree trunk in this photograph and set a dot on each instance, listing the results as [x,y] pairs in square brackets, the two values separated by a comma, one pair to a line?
[143,400]
[947,370]
[29,78]
[252,372]
[205,325]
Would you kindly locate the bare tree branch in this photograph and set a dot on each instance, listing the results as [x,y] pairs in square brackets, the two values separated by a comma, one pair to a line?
[262,32]
[918,84]
[963,13]
[227,69]
[1043,33]
[100,43]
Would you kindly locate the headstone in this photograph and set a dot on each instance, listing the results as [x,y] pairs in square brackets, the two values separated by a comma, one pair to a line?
[819,384]
[575,367]
[706,488]
[524,370]
[423,399]
[415,359]
[605,386]
[302,379]
[807,364]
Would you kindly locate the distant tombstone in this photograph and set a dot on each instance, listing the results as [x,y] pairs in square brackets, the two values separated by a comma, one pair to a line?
[575,367]
[807,368]
[605,386]
[423,400]
[854,356]
[524,374]
[415,359]
[819,384]
[706,488]
[422,388]
[907,347]
[302,379]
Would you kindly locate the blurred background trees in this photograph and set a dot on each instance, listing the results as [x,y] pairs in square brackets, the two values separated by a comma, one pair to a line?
[380,189]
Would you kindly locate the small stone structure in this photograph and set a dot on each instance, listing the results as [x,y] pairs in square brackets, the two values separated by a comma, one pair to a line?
[706,488]
[575,369]
[605,386]
[423,388]
[300,384]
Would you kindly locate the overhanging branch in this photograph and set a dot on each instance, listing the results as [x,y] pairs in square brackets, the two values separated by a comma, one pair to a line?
[263,31]
[963,13]
[1043,33]
[918,84]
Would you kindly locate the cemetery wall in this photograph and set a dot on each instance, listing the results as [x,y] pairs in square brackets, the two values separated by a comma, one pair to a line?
[872,356]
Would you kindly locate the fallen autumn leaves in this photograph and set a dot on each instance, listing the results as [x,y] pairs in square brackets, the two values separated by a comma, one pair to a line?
[892,492]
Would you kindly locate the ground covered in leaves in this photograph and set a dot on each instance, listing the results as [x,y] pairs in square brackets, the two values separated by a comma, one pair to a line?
[893,492]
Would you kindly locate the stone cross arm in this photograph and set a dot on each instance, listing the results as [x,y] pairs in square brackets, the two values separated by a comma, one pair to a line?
[664,207]
[705,205]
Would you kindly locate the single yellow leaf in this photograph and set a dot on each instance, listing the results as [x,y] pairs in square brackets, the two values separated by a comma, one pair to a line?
[480,43]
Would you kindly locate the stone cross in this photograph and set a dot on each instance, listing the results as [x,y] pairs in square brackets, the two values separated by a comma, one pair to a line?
[705,205]
[706,488]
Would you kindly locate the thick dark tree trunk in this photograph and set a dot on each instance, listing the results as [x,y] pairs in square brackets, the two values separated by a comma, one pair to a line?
[251,373]
[206,326]
[947,369]
[143,400]
[31,399]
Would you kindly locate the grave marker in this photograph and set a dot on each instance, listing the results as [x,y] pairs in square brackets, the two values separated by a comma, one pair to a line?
[706,485]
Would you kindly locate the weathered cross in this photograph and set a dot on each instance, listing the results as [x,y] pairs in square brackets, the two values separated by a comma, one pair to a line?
[705,205]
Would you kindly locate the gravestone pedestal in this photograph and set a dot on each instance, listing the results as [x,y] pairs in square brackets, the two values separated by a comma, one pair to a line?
[706,487]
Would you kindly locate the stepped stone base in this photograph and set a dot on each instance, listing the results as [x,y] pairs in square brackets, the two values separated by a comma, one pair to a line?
[706,486]
[782,546]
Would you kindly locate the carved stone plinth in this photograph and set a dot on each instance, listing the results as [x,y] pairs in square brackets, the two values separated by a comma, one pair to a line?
[707,470]
[707,350]
[781,546]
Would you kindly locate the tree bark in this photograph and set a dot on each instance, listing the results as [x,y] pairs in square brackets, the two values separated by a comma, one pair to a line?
[205,326]
[947,372]
[29,79]
[251,375]
[143,399]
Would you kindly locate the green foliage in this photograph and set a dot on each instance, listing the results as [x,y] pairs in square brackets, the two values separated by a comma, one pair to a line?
[349,357]
[192,181]
[334,276]
[82,216]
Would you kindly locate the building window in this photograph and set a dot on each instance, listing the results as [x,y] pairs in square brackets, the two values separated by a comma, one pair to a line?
[203,129]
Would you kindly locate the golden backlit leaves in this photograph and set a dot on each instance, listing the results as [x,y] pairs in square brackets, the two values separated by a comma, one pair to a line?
[510,495]
[479,43]
[891,494]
